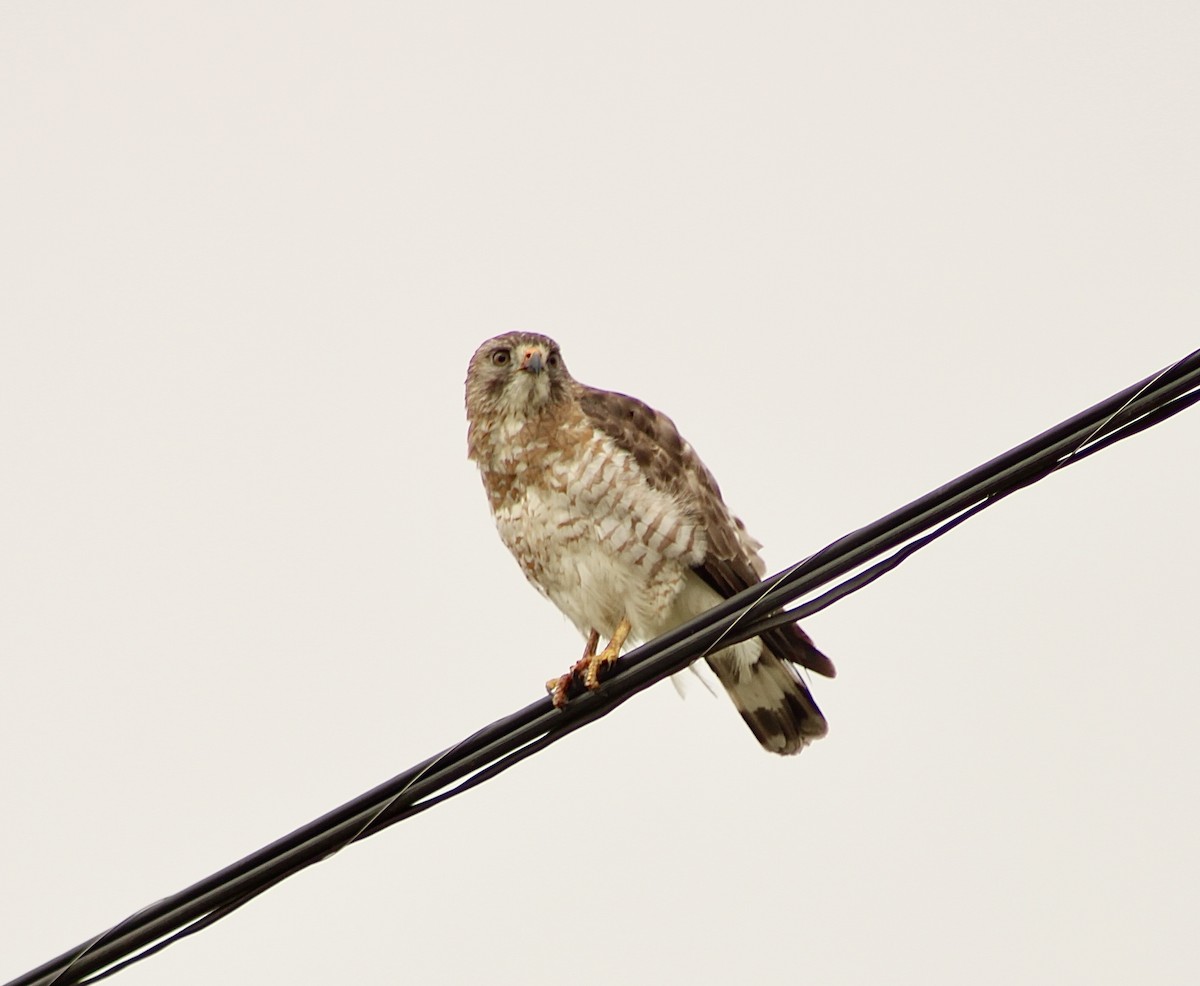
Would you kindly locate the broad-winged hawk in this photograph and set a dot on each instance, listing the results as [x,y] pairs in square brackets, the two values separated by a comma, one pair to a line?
[613,516]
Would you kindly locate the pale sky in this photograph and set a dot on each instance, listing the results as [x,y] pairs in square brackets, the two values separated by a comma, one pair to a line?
[247,573]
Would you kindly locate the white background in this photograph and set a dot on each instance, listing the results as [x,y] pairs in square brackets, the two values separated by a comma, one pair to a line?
[854,249]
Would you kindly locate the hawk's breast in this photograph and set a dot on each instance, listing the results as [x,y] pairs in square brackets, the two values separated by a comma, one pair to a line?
[590,531]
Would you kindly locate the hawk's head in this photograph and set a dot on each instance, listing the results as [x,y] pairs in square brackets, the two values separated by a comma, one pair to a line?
[515,375]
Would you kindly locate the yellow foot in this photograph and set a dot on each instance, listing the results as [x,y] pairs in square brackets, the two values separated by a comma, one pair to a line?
[598,662]
[590,665]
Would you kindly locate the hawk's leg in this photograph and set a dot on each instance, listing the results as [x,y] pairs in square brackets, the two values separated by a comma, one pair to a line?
[591,664]
[597,662]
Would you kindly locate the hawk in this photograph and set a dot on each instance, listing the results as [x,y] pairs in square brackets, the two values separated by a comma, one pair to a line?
[614,518]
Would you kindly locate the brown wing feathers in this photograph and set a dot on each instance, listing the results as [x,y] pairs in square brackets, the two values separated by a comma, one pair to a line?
[671,465]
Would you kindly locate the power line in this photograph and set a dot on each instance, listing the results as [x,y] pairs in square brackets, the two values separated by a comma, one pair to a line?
[500,745]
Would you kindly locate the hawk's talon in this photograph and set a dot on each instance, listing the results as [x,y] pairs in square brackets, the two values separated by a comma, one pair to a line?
[590,665]
[558,688]
[598,662]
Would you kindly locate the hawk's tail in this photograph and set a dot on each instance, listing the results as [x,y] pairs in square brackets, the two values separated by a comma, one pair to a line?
[772,698]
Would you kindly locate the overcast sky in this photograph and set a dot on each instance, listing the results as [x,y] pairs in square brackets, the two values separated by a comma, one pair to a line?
[246,571]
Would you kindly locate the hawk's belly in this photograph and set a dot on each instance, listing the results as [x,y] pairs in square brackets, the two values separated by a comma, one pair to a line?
[604,549]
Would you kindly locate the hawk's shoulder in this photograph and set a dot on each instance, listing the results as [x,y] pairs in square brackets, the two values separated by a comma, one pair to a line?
[669,463]
[649,436]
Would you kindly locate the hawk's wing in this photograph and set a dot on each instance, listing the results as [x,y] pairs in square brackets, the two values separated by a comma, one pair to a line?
[731,562]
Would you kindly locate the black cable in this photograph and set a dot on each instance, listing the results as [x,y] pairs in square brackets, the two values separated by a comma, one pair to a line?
[498,746]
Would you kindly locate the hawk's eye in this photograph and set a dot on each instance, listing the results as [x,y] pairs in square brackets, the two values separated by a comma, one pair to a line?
[500,357]
[552,359]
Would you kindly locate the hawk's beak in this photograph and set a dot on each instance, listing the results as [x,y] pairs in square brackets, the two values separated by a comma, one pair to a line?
[532,361]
